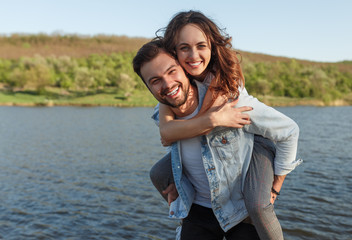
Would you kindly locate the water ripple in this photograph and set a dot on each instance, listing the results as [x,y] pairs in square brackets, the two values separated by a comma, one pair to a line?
[82,173]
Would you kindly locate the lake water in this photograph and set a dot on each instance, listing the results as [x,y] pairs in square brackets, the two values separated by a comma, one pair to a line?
[83,173]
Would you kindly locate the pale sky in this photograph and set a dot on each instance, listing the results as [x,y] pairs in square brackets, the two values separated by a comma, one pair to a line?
[303,29]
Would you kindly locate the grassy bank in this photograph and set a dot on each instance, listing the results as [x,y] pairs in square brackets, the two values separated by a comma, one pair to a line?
[111,97]
[275,101]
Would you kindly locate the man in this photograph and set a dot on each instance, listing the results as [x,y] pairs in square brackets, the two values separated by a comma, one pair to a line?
[209,181]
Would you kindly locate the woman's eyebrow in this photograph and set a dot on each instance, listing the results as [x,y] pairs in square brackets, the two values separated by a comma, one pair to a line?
[180,44]
[201,42]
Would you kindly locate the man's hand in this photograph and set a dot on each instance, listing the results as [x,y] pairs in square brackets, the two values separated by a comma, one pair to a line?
[171,193]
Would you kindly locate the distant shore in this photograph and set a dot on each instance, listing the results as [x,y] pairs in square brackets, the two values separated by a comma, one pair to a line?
[72,70]
[290,102]
[137,99]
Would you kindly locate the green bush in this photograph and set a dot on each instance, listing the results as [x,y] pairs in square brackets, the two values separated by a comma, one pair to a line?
[291,78]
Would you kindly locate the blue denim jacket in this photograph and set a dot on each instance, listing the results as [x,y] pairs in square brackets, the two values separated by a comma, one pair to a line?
[226,154]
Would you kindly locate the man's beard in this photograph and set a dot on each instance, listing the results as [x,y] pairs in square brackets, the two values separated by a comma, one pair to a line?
[177,104]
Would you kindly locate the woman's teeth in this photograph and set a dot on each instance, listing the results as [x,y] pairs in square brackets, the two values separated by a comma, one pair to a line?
[194,64]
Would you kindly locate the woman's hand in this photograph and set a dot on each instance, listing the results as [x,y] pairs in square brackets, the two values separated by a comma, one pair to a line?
[273,197]
[277,184]
[164,142]
[223,113]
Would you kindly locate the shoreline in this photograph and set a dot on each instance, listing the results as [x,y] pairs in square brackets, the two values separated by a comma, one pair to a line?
[270,102]
[287,102]
[14,104]
[139,98]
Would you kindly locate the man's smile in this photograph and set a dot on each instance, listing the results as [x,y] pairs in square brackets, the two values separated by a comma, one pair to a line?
[173,92]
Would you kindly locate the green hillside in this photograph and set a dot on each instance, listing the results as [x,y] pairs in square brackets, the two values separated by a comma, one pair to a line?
[96,70]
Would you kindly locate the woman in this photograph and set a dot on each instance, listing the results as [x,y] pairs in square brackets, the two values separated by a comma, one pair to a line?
[206,55]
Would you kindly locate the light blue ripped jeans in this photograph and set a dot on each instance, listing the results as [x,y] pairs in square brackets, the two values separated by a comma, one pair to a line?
[257,188]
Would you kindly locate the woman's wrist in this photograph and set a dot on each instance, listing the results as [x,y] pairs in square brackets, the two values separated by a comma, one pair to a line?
[212,120]
[274,191]
[278,182]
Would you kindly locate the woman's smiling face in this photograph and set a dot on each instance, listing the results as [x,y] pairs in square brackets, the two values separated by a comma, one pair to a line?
[193,49]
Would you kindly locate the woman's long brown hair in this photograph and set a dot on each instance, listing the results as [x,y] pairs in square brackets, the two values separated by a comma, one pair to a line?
[224,64]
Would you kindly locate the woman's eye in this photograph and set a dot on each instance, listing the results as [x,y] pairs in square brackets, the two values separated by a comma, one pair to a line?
[184,48]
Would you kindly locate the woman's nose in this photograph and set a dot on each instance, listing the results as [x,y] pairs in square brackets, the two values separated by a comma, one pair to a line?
[193,53]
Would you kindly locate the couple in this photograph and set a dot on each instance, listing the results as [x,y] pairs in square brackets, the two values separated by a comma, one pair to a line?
[221,158]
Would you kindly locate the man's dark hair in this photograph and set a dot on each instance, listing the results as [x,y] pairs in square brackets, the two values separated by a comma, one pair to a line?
[147,53]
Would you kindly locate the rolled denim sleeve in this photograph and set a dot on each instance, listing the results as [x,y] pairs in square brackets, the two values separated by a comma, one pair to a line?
[155,115]
[272,124]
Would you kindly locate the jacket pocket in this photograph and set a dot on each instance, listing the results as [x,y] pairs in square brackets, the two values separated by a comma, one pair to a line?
[225,144]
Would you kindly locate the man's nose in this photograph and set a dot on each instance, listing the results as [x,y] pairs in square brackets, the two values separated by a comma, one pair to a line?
[168,82]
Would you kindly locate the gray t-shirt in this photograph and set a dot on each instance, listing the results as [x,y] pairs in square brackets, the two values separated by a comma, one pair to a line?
[193,167]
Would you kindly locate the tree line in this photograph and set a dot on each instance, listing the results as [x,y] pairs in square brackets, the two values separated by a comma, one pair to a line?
[103,69]
[298,80]
[80,74]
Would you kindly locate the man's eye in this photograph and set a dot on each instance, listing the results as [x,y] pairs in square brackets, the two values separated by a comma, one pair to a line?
[155,81]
